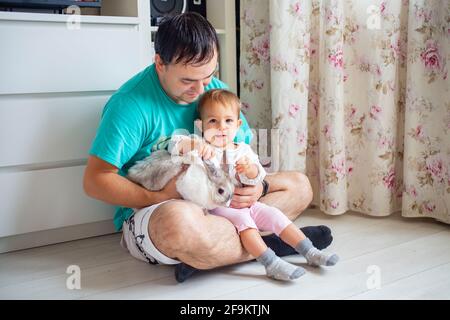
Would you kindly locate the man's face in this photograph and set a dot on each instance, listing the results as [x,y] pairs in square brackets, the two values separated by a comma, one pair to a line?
[185,83]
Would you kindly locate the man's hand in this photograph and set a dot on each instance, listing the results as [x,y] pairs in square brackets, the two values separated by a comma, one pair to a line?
[246,196]
[170,190]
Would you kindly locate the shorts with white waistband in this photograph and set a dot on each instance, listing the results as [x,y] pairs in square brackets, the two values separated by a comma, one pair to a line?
[136,239]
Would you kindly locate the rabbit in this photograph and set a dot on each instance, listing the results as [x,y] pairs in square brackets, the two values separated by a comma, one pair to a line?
[202,183]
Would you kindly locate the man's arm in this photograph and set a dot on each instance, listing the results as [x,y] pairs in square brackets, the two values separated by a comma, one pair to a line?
[102,181]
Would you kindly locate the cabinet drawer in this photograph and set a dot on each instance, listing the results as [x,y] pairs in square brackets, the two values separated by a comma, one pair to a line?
[47,56]
[46,128]
[47,199]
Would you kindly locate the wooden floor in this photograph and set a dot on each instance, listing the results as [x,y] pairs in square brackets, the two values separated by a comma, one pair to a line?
[411,257]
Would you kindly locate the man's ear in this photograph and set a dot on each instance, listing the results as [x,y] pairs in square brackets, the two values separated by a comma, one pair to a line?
[158,62]
[198,125]
[239,122]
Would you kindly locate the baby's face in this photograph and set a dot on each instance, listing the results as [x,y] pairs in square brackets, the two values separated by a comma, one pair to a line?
[220,124]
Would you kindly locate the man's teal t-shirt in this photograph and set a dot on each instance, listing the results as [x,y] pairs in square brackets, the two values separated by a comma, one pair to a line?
[139,119]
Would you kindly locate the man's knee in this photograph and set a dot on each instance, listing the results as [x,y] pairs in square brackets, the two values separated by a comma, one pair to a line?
[302,187]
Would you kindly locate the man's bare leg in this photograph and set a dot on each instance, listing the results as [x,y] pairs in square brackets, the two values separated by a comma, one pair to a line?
[181,230]
[290,191]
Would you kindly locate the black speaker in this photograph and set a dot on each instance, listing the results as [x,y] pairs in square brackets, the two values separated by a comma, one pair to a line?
[198,6]
[168,8]
[165,8]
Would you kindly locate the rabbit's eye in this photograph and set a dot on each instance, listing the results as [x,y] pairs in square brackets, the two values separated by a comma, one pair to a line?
[220,191]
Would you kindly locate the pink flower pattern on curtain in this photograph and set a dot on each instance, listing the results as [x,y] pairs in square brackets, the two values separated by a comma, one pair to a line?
[358,93]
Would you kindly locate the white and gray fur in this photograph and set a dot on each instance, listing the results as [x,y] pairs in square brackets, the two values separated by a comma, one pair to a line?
[202,183]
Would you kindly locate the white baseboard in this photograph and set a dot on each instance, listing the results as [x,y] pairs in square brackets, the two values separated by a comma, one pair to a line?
[46,237]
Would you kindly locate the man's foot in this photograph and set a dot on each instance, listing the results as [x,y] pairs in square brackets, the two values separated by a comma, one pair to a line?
[184,271]
[320,236]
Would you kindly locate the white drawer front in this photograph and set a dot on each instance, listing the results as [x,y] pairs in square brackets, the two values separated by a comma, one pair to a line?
[39,56]
[46,199]
[46,128]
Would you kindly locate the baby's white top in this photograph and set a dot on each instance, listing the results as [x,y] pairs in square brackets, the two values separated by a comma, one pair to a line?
[231,157]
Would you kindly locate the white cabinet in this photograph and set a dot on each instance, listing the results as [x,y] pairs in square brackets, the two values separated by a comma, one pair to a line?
[46,199]
[46,56]
[54,81]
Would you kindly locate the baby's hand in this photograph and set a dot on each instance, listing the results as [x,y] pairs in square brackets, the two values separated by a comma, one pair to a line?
[243,165]
[205,151]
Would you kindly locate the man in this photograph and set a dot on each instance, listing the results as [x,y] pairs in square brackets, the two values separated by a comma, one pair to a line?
[139,119]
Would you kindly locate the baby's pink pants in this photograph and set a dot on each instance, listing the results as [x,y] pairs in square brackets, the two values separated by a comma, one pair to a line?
[259,216]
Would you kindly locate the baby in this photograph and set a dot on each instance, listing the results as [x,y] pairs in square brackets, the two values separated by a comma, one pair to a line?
[219,122]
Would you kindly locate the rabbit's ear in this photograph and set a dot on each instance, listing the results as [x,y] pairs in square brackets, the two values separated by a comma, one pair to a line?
[211,169]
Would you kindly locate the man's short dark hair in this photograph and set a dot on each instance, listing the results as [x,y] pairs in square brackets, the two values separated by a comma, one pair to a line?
[188,38]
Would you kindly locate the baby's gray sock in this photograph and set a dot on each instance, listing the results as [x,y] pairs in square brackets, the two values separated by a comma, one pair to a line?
[314,256]
[277,268]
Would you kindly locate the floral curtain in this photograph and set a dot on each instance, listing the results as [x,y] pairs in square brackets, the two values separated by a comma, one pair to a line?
[357,96]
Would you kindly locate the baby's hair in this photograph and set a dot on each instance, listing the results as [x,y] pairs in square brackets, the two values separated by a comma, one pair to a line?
[221,96]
